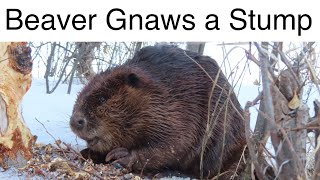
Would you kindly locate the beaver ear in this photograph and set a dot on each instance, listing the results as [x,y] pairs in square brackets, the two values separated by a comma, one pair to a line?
[133,80]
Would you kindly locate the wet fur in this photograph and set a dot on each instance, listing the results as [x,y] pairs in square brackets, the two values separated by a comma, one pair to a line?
[156,106]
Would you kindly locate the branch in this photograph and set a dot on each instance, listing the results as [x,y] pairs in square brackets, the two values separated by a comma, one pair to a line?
[250,143]
[285,60]
[252,58]
[267,96]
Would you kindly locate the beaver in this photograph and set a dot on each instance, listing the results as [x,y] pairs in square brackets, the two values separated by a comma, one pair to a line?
[150,114]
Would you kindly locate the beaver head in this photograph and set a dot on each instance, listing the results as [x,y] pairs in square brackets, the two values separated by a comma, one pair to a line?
[109,111]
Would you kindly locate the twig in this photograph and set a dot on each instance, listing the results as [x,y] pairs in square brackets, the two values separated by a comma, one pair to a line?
[252,58]
[280,168]
[254,102]
[224,131]
[2,60]
[145,164]
[55,140]
[305,127]
[241,157]
[216,177]
[289,66]
[81,169]
[304,51]
[233,44]
[250,144]
[72,150]
[275,53]
[79,155]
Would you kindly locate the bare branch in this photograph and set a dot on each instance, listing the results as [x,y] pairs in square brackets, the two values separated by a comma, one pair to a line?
[250,143]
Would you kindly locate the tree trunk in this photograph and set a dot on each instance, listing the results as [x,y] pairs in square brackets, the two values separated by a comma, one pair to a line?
[84,67]
[15,80]
[197,47]
[283,111]
[138,46]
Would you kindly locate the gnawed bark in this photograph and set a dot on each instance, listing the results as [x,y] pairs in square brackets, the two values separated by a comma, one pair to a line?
[15,80]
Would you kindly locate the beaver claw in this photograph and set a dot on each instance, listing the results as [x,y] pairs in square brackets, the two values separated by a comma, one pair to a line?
[122,157]
[117,153]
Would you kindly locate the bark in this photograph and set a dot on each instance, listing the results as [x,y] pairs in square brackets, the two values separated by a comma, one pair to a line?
[290,146]
[48,66]
[81,52]
[294,145]
[15,80]
[137,47]
[84,67]
[316,174]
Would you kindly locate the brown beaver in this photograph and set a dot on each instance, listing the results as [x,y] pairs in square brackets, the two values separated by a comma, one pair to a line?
[150,114]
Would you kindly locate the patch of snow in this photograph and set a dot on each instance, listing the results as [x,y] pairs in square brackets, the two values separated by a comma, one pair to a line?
[10,173]
[52,110]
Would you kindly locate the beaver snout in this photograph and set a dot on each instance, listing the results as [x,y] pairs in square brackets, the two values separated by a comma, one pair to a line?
[78,123]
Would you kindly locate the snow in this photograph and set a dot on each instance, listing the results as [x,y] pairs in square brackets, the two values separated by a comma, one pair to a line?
[52,110]
[11,174]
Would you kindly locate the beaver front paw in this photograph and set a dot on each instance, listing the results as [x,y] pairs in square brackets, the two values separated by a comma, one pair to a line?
[96,157]
[123,157]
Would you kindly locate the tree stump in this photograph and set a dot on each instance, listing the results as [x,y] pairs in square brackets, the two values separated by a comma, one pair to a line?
[15,80]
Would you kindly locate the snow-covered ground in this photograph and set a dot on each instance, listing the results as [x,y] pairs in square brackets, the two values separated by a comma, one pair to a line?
[53,110]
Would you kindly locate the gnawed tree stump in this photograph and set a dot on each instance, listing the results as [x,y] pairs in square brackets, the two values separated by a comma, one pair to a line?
[15,80]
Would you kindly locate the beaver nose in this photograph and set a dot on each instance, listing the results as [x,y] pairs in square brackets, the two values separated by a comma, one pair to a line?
[78,123]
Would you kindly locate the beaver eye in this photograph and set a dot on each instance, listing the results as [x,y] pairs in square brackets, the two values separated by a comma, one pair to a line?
[102,99]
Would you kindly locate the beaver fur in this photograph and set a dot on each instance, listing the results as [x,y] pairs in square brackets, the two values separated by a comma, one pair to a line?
[150,114]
